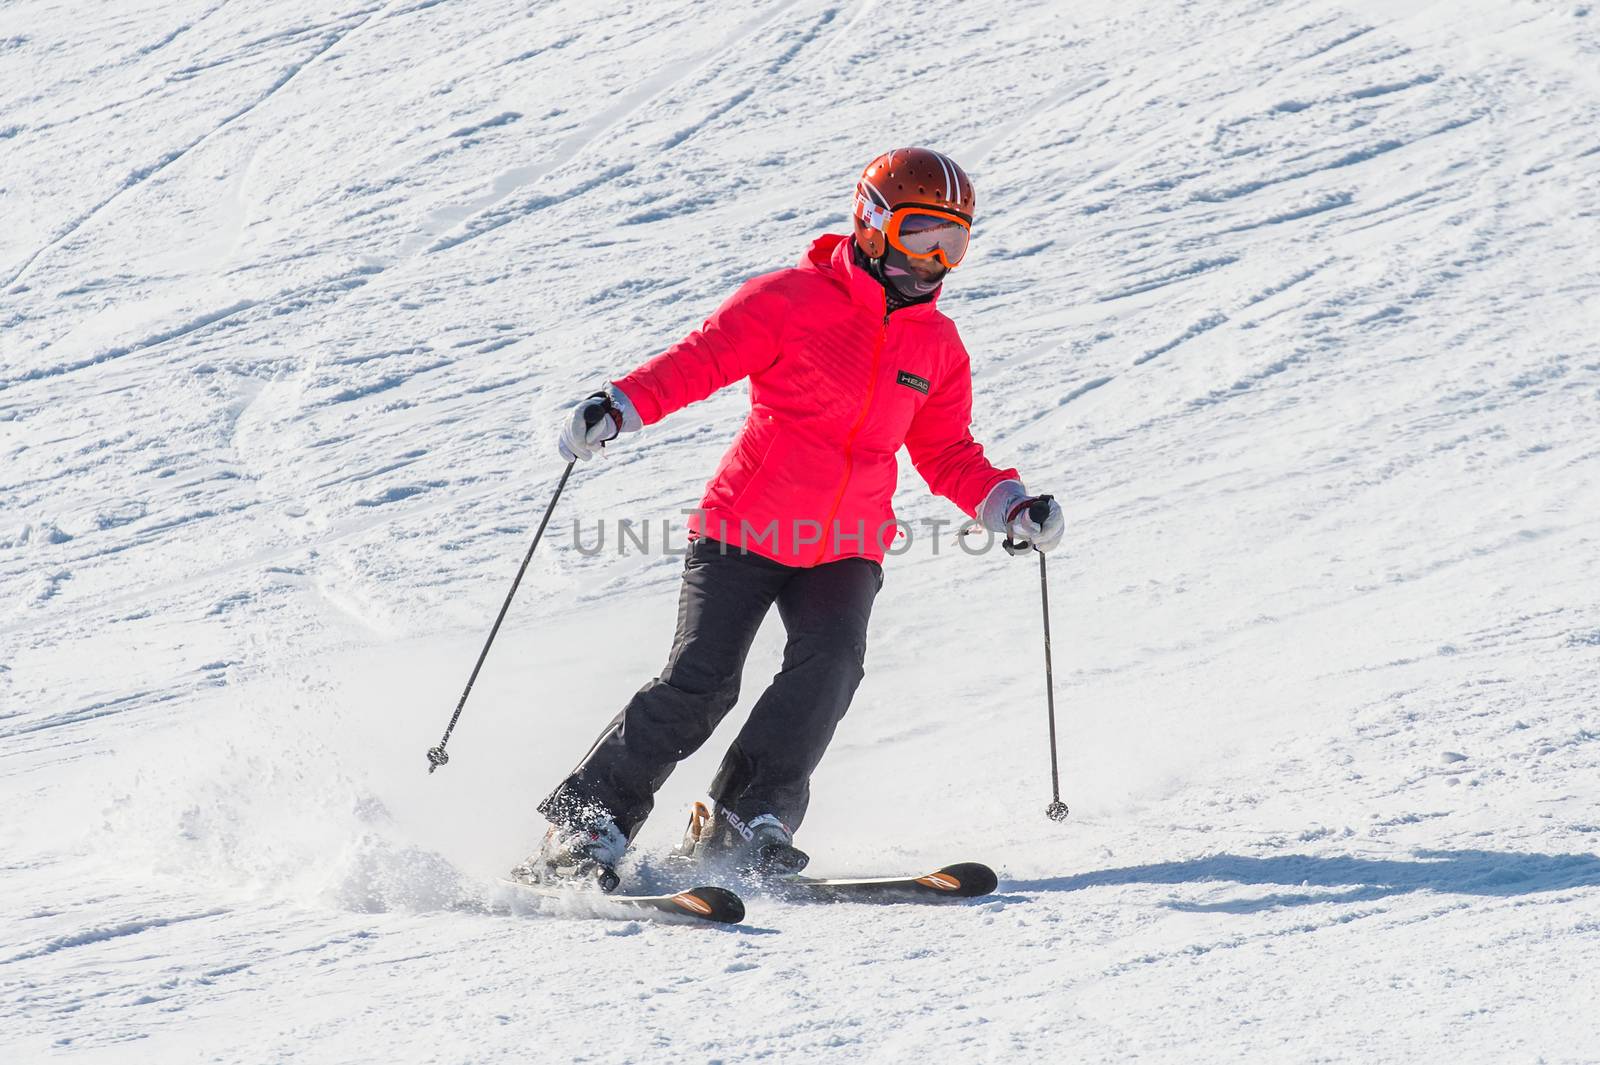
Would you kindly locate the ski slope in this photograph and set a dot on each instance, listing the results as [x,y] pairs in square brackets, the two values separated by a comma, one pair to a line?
[1294,304]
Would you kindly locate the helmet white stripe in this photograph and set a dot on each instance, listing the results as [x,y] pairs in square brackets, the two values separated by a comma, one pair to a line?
[955,179]
[882,200]
[949,178]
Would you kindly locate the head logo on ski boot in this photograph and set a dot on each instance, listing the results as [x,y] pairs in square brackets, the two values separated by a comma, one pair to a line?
[759,846]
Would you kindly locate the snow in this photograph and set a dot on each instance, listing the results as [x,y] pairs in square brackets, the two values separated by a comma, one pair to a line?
[1294,304]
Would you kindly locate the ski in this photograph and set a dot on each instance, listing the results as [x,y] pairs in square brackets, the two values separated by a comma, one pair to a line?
[707,904]
[964,880]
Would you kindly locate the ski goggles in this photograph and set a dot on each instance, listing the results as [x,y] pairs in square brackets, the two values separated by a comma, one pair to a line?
[924,232]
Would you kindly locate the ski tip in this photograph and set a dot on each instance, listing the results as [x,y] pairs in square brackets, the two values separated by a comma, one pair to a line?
[711,904]
[964,880]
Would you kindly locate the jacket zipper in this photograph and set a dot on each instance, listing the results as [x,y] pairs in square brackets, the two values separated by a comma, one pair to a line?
[849,440]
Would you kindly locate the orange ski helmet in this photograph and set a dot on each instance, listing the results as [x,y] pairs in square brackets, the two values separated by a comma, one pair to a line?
[909,177]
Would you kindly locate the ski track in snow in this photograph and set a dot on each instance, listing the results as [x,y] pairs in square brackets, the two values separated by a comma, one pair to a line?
[1294,304]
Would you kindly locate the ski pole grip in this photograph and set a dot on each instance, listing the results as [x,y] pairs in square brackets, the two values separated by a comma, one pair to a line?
[1038,510]
[595,414]
[592,415]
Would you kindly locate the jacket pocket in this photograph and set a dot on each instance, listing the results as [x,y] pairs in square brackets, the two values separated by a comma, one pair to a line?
[766,458]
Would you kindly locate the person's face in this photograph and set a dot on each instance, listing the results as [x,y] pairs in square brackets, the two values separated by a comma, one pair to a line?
[912,278]
[927,271]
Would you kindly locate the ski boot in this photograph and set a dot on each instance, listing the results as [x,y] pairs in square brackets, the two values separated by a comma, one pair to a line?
[576,853]
[759,848]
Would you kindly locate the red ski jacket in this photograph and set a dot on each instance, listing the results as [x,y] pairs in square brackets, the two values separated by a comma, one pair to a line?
[837,385]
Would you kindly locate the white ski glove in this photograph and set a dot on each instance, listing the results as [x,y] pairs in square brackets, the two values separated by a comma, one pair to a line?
[1004,511]
[601,417]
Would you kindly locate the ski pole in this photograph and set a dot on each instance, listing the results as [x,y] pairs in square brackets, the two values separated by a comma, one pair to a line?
[1039,510]
[436,755]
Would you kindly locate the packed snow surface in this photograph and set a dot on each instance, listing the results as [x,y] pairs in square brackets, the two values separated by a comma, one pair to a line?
[1294,305]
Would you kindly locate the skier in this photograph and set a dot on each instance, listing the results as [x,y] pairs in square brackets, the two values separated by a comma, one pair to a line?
[849,358]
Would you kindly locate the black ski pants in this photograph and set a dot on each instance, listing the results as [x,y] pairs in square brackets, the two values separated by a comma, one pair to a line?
[725,595]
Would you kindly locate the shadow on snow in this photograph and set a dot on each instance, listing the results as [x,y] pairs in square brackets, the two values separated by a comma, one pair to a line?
[1454,872]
